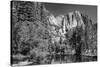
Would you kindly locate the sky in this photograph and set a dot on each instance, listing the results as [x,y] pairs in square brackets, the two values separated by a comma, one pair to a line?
[58,9]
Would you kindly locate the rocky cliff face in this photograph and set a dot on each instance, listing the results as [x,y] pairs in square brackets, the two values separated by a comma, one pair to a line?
[38,33]
[75,22]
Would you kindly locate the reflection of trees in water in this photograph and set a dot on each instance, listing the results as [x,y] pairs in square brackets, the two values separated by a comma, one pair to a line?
[71,58]
[64,58]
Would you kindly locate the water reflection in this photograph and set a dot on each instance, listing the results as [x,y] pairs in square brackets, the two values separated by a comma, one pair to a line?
[71,58]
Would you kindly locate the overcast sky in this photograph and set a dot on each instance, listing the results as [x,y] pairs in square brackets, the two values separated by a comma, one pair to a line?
[57,9]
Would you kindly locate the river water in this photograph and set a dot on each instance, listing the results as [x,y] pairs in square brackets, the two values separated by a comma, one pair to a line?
[72,58]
